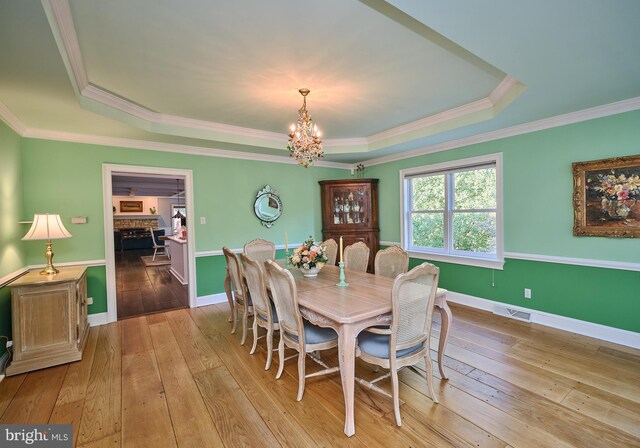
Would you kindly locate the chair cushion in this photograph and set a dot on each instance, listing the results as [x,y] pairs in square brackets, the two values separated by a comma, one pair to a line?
[378,345]
[314,334]
[274,314]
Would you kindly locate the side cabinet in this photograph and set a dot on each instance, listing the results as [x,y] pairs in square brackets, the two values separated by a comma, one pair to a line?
[49,318]
[350,211]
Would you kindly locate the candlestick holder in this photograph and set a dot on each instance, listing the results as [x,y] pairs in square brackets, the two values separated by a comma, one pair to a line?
[286,253]
[342,282]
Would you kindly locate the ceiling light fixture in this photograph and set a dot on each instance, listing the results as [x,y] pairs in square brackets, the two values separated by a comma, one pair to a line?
[304,140]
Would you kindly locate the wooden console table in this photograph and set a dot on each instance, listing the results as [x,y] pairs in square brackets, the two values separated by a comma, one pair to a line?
[49,317]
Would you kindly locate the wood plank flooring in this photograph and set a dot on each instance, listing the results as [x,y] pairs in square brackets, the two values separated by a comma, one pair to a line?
[179,378]
[143,290]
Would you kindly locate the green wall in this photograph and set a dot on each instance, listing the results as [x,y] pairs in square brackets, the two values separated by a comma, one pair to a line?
[603,296]
[66,178]
[11,247]
[49,176]
[538,220]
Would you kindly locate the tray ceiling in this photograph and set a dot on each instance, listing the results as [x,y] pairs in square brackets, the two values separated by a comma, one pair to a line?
[385,77]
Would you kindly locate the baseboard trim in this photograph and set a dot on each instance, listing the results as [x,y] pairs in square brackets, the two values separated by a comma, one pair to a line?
[211,299]
[98,319]
[178,277]
[598,331]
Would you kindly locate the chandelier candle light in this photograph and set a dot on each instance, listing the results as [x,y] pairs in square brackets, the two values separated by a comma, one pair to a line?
[304,140]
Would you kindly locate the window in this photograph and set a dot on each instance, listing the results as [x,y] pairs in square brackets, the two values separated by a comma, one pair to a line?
[452,211]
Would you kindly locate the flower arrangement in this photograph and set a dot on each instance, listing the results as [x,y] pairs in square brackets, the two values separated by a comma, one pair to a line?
[619,187]
[309,255]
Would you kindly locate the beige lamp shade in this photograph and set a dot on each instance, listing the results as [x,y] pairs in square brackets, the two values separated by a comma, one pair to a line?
[46,227]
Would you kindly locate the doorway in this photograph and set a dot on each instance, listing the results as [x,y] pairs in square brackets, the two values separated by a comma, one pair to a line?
[150,263]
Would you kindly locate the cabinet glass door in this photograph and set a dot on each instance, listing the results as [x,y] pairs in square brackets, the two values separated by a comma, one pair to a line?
[350,205]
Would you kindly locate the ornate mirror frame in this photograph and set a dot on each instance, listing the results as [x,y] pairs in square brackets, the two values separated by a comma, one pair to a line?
[267,206]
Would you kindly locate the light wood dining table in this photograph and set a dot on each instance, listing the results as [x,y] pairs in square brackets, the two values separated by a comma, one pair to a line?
[349,310]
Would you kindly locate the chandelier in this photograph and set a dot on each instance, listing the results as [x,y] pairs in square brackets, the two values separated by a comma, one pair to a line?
[304,140]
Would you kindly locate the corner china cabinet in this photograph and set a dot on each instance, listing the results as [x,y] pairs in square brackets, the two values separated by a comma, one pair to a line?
[49,315]
[350,211]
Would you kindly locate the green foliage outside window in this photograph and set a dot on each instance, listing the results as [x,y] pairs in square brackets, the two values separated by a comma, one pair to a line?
[473,218]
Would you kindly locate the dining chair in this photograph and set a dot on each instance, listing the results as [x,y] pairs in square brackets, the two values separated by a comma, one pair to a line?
[157,247]
[241,298]
[264,312]
[356,257]
[260,250]
[391,262]
[295,332]
[407,340]
[331,252]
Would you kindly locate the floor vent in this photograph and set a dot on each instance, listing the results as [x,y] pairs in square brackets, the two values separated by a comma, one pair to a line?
[512,313]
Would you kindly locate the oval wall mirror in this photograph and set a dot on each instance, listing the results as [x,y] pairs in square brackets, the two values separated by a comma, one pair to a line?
[268,206]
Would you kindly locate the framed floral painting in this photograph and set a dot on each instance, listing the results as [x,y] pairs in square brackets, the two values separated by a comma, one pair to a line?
[606,197]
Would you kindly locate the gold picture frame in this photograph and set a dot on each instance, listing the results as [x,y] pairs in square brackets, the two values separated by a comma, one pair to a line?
[606,197]
[130,206]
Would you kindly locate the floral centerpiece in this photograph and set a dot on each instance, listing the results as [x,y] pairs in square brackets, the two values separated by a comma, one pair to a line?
[310,257]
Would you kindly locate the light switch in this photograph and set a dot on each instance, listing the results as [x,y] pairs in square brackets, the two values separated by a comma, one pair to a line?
[203,220]
[78,220]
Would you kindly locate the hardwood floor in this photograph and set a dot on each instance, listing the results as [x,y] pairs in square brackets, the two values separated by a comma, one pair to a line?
[179,378]
[144,290]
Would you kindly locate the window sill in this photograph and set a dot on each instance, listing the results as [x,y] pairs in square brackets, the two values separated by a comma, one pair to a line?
[489,263]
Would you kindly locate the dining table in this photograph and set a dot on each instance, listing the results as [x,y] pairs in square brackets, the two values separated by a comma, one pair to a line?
[365,302]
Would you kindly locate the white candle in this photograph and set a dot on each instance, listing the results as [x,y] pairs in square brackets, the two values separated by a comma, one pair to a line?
[286,241]
[340,249]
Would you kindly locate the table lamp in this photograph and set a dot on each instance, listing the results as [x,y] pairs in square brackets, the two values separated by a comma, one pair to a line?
[47,227]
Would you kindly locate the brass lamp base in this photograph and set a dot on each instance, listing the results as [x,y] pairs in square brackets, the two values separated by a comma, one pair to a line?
[49,268]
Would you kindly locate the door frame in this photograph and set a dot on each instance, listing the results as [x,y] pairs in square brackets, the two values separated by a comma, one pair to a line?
[108,170]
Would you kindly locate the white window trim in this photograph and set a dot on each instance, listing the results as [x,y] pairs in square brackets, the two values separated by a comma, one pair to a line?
[493,262]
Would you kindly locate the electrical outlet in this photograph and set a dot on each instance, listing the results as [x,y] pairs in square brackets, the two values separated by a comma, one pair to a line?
[89,300]
[203,220]
[527,293]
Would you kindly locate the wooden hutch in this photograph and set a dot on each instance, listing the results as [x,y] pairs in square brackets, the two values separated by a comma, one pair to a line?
[350,211]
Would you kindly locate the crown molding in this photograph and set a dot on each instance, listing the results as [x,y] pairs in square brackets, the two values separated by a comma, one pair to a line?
[170,147]
[504,88]
[478,106]
[12,120]
[101,101]
[164,123]
[526,128]
[561,120]
[61,22]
